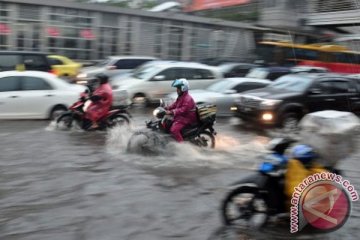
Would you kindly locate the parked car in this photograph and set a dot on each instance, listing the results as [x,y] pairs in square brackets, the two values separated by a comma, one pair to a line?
[357,75]
[288,99]
[63,66]
[19,60]
[152,83]
[111,66]
[309,69]
[230,70]
[270,73]
[34,95]
[223,93]
[118,77]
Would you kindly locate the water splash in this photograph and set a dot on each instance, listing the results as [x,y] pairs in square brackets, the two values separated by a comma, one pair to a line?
[229,152]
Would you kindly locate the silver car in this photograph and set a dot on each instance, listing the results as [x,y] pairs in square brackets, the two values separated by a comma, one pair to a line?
[151,83]
[111,66]
[224,93]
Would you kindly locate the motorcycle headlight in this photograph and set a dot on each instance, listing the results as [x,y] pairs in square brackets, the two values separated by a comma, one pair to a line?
[270,102]
[155,112]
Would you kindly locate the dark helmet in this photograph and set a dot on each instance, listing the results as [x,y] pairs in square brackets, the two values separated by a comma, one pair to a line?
[102,78]
[303,153]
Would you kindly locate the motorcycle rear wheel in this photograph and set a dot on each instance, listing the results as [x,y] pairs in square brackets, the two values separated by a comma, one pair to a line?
[146,143]
[64,122]
[244,206]
[205,140]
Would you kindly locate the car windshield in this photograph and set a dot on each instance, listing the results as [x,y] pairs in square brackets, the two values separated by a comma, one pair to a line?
[260,73]
[221,86]
[291,83]
[103,63]
[145,72]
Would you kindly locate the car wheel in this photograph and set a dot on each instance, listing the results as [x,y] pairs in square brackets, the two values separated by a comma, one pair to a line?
[140,100]
[290,122]
[56,112]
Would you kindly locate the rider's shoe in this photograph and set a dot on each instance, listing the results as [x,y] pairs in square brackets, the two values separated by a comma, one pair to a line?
[94,127]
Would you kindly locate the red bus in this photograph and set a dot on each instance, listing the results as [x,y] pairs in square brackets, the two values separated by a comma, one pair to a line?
[335,58]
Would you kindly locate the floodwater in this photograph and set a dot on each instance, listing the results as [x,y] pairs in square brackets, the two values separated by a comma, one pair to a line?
[74,185]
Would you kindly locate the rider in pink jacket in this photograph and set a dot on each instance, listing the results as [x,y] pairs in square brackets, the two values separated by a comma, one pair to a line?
[102,99]
[183,109]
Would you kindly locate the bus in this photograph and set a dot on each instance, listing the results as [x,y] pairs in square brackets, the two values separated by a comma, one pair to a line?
[335,58]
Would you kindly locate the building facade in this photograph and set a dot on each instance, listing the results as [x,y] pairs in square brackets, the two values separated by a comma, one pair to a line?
[92,31]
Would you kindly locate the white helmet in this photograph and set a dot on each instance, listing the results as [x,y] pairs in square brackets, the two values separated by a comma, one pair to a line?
[182,83]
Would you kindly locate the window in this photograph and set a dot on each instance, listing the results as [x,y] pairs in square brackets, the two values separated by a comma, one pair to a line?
[170,74]
[240,71]
[242,87]
[55,61]
[275,75]
[34,61]
[204,74]
[129,63]
[8,61]
[340,87]
[34,83]
[8,84]
[325,87]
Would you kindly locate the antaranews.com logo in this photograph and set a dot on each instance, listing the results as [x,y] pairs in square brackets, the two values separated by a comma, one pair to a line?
[323,201]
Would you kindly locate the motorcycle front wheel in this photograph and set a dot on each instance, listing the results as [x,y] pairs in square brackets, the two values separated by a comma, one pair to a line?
[244,206]
[119,121]
[64,122]
[205,139]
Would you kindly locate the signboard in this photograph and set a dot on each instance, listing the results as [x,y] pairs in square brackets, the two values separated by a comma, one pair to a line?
[4,29]
[198,5]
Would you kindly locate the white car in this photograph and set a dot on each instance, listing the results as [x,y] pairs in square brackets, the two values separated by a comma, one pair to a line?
[224,93]
[35,95]
[111,66]
[154,82]
[354,75]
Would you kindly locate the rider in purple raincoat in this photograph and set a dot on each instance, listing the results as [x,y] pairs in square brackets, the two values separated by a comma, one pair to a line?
[183,109]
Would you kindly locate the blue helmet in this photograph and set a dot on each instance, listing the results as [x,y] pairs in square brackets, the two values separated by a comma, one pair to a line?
[181,83]
[303,153]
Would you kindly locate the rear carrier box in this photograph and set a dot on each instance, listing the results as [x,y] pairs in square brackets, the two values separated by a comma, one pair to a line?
[332,134]
[206,112]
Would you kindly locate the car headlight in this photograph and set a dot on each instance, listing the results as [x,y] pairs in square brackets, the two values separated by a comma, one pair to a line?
[270,102]
[81,75]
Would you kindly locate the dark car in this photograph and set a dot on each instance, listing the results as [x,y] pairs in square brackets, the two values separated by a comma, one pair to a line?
[18,60]
[231,70]
[288,99]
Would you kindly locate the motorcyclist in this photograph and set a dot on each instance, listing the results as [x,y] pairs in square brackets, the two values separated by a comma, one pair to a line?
[101,101]
[183,109]
[301,165]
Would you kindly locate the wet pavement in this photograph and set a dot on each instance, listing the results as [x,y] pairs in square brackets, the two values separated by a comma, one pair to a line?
[74,185]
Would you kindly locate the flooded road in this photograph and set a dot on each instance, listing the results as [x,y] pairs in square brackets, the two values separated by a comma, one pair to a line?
[84,186]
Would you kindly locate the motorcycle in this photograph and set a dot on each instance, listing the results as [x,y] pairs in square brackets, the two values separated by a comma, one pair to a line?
[152,141]
[259,198]
[76,113]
